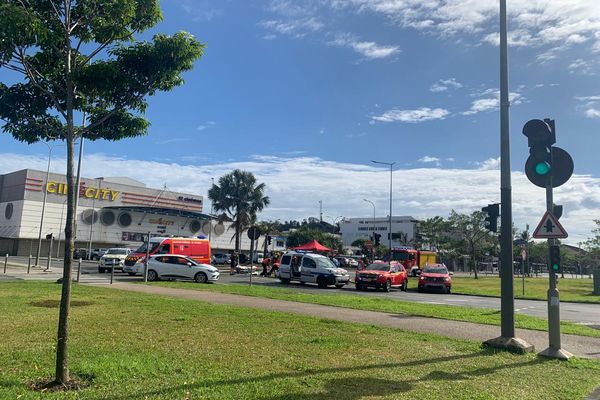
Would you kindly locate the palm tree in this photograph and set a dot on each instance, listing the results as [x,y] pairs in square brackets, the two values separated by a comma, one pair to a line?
[238,195]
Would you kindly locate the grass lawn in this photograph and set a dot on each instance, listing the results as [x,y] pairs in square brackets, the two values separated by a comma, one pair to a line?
[135,346]
[468,314]
[576,290]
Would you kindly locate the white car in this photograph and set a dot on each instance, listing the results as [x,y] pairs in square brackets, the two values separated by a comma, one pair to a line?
[113,258]
[311,268]
[174,266]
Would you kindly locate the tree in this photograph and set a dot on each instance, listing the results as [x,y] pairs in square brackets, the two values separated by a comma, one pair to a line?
[238,195]
[81,56]
[305,234]
[268,228]
[470,231]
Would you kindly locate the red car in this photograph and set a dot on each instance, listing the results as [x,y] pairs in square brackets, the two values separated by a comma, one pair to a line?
[435,276]
[382,275]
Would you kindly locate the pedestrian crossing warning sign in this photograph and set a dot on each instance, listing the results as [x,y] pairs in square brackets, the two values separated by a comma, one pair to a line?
[549,228]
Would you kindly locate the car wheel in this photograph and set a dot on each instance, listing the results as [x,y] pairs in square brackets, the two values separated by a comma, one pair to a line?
[359,287]
[340,285]
[201,277]
[152,275]
[322,282]
[387,286]
[285,280]
[404,286]
[131,273]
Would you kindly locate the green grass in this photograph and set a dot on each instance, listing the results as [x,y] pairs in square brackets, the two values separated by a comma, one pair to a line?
[136,346]
[457,313]
[575,290]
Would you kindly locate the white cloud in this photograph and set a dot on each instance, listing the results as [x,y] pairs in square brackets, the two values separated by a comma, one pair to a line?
[429,159]
[592,113]
[553,23]
[412,116]
[489,164]
[206,125]
[491,101]
[292,186]
[444,84]
[297,28]
[370,50]
[581,66]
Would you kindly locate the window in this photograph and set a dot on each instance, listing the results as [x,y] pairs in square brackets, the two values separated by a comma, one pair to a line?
[309,263]
[164,249]
[161,259]
[285,260]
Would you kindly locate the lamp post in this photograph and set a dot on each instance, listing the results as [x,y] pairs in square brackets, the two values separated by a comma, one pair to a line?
[45,189]
[391,165]
[373,243]
[211,211]
[61,228]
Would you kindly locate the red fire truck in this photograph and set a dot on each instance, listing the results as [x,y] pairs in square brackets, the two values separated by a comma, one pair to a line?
[195,248]
[413,260]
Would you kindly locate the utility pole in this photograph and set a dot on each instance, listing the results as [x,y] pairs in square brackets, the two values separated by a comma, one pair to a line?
[391,165]
[507,339]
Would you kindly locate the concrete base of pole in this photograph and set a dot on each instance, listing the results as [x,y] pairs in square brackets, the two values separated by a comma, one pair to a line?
[556,353]
[512,344]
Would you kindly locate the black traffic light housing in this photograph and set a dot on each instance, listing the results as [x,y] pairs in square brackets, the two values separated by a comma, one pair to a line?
[555,259]
[492,212]
[377,236]
[269,239]
[545,161]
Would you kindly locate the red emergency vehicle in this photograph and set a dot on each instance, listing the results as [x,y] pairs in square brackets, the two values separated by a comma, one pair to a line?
[413,260]
[194,248]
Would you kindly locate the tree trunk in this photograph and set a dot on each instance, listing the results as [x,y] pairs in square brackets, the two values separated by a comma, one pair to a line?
[62,340]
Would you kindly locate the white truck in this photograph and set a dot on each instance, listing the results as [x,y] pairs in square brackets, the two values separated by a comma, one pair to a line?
[113,258]
[311,268]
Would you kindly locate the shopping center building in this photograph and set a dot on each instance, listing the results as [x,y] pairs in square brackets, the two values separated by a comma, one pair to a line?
[112,212]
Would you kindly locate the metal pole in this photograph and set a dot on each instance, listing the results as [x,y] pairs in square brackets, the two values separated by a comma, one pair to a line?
[29,264]
[507,274]
[5,262]
[92,223]
[507,338]
[78,182]
[49,264]
[45,189]
[146,261]
[112,273]
[60,229]
[78,269]
[251,259]
[211,211]
[390,216]
[373,243]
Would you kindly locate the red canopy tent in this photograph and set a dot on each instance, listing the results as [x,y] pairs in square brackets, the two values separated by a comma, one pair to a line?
[313,245]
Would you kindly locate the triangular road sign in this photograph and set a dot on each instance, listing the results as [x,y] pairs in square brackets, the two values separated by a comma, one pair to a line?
[549,228]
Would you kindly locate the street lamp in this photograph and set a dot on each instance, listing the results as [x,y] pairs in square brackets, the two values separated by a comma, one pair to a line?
[373,242]
[390,221]
[211,211]
[45,189]
[335,220]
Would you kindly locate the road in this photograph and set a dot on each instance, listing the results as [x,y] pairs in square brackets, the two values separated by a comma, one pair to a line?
[588,314]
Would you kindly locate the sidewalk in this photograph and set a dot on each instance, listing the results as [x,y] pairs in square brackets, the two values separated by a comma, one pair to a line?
[578,345]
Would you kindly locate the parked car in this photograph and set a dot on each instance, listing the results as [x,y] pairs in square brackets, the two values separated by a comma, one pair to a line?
[113,258]
[435,276]
[311,268]
[221,259]
[381,275]
[174,266]
[80,253]
[96,254]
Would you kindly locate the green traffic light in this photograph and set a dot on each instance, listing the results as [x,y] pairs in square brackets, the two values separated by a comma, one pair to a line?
[555,267]
[542,168]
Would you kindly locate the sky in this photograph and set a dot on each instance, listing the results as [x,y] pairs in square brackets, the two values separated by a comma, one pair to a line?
[306,93]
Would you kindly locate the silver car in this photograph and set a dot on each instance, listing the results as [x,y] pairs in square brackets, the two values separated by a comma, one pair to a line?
[174,266]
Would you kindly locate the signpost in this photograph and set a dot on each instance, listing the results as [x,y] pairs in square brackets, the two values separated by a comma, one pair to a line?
[253,234]
[549,228]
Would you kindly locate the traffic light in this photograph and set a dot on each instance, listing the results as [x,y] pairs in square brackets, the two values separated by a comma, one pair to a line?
[377,237]
[492,212]
[545,161]
[269,239]
[555,258]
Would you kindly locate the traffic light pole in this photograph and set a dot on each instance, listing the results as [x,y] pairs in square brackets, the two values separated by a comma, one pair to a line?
[554,349]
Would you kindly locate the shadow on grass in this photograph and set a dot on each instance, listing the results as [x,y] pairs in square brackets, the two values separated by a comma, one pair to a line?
[346,388]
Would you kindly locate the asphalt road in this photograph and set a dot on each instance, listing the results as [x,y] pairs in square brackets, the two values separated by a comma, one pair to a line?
[588,314]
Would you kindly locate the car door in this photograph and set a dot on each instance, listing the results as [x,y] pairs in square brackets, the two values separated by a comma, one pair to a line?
[180,268]
[308,272]
[403,275]
[159,265]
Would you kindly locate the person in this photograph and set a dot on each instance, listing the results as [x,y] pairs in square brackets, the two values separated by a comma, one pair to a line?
[265,265]
[361,264]
[233,263]
[275,265]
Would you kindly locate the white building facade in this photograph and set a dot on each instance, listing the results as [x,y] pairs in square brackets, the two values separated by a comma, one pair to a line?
[111,212]
[403,230]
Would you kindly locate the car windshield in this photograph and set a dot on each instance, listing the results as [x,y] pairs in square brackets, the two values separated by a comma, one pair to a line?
[324,262]
[117,251]
[435,270]
[144,247]
[378,267]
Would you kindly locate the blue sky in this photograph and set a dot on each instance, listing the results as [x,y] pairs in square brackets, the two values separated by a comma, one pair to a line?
[331,84]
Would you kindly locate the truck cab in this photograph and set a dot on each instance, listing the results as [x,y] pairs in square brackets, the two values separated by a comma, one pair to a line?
[311,268]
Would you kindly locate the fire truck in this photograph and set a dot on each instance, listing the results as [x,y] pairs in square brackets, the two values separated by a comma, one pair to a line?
[413,260]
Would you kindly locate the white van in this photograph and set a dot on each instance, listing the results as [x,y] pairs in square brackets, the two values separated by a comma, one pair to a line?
[311,268]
